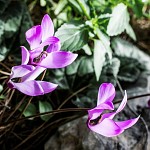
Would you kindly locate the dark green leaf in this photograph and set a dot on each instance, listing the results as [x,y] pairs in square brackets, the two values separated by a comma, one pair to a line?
[125,49]
[45,106]
[30,110]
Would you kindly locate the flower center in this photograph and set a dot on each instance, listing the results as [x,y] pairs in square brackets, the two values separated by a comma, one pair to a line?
[38,58]
[95,121]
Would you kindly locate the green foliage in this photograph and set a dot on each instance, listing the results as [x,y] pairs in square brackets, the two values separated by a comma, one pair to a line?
[73,36]
[126,49]
[120,22]
[29,111]
[10,22]
[45,106]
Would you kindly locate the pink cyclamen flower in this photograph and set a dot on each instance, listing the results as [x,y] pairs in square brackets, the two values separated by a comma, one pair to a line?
[40,36]
[103,123]
[23,78]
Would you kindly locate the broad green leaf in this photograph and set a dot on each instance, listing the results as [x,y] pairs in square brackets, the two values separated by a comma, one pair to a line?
[30,110]
[119,22]
[125,49]
[45,106]
[99,57]
[73,36]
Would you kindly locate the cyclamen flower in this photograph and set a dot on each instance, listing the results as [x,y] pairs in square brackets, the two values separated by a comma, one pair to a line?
[27,84]
[35,61]
[40,36]
[103,123]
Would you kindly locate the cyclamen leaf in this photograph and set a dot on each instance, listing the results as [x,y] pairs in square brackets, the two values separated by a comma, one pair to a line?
[119,22]
[73,36]
[99,57]
[45,107]
[125,49]
[30,110]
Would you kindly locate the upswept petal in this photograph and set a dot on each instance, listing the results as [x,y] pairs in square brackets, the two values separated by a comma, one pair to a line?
[19,71]
[35,88]
[128,123]
[33,74]
[106,93]
[47,27]
[34,36]
[123,103]
[107,128]
[25,55]
[58,59]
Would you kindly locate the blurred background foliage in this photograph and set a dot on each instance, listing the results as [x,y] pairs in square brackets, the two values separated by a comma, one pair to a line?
[110,37]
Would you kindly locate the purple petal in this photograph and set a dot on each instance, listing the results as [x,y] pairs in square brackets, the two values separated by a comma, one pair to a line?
[35,88]
[123,103]
[54,47]
[106,93]
[25,55]
[47,27]
[33,36]
[106,128]
[20,71]
[58,59]
[33,74]
[106,105]
[128,123]
[94,113]
[49,41]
